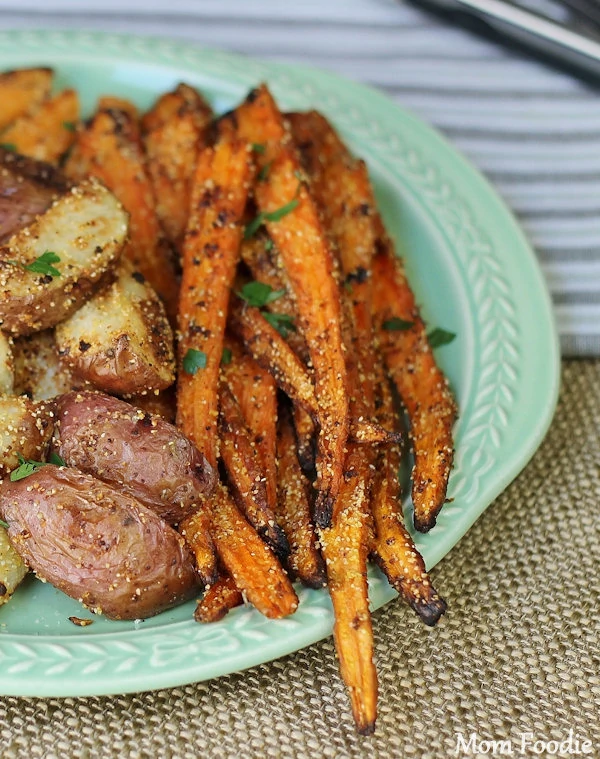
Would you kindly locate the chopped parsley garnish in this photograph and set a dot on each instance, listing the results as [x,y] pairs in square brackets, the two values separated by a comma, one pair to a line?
[438,337]
[226,357]
[3,524]
[258,147]
[25,468]
[275,215]
[194,360]
[42,264]
[283,323]
[56,460]
[8,146]
[395,324]
[264,172]
[70,126]
[258,294]
[269,244]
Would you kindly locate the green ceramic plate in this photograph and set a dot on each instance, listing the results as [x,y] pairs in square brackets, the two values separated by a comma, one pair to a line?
[473,273]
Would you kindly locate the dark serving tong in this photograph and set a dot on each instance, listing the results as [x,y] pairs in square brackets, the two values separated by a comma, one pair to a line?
[562,31]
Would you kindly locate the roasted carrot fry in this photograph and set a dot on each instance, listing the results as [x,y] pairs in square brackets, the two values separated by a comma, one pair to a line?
[218,600]
[174,132]
[21,92]
[306,434]
[392,546]
[422,386]
[247,480]
[110,102]
[293,509]
[251,563]
[256,392]
[293,223]
[48,131]
[196,532]
[211,253]
[109,147]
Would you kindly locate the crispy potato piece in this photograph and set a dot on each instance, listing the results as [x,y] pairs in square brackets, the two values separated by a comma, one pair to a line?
[110,148]
[27,189]
[211,254]
[173,133]
[293,509]
[120,340]
[293,223]
[256,393]
[251,563]
[243,464]
[22,91]
[196,531]
[39,372]
[12,568]
[86,229]
[45,133]
[7,365]
[422,387]
[26,429]
[392,546]
[218,600]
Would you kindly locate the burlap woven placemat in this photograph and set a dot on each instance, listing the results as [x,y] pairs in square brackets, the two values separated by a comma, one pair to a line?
[518,652]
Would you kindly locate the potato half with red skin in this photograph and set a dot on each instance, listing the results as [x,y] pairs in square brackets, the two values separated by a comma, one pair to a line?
[97,545]
[139,453]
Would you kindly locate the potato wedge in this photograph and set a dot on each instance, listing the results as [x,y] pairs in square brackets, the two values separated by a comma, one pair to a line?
[26,430]
[39,372]
[7,366]
[120,340]
[218,600]
[110,148]
[420,383]
[86,229]
[22,91]
[12,568]
[45,133]
[27,189]
[210,257]
[96,544]
[174,131]
[251,563]
[138,454]
[246,477]
[293,509]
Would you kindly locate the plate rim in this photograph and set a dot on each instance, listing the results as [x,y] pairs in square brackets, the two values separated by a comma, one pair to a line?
[58,653]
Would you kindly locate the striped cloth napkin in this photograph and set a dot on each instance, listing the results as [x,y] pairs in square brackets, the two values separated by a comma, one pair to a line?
[534,132]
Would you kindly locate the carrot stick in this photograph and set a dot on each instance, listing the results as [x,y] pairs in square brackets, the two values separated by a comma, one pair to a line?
[21,92]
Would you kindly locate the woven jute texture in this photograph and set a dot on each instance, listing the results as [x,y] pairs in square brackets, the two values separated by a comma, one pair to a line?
[519,650]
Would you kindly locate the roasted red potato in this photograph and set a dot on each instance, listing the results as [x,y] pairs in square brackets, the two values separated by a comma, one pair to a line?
[138,453]
[120,340]
[96,544]
[26,430]
[7,366]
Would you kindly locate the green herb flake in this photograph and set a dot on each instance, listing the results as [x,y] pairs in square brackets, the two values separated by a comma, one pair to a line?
[395,324]
[264,172]
[283,323]
[253,227]
[43,264]
[10,146]
[70,126]
[3,524]
[268,244]
[276,215]
[438,337]
[194,360]
[226,357]
[258,294]
[259,148]
[25,468]
[56,460]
